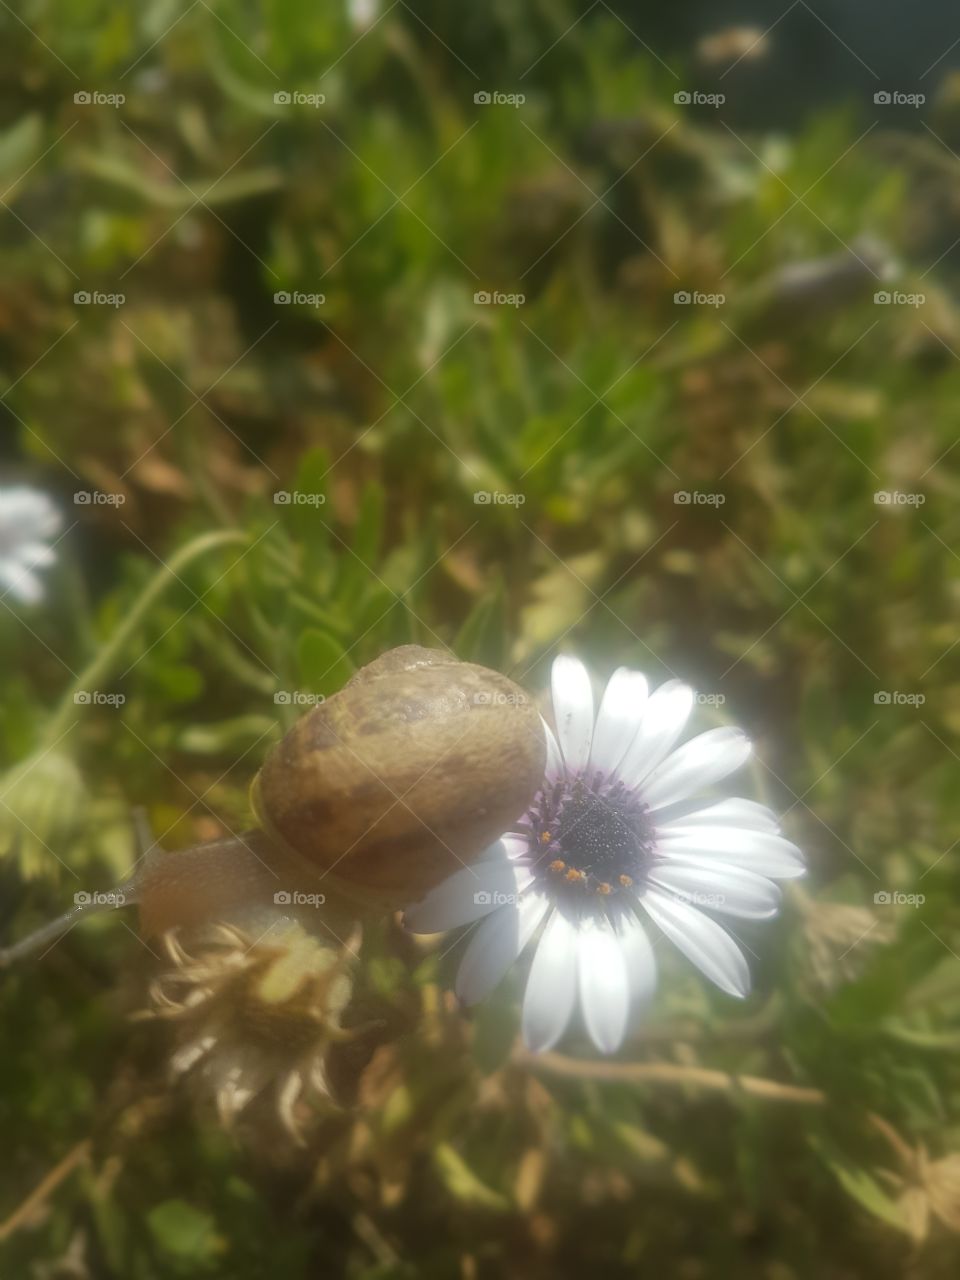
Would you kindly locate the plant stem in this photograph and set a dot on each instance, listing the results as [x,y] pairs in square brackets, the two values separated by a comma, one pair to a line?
[93,673]
[668,1073]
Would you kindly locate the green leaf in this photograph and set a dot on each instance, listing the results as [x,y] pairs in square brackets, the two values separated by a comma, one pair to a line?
[184,1233]
[859,1184]
[322,662]
[19,145]
[482,638]
[369,527]
[308,520]
[462,1182]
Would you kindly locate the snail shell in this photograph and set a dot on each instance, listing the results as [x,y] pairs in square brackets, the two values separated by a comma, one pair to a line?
[406,774]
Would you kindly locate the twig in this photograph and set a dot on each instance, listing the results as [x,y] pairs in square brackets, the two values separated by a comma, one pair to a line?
[670,1074]
[25,1211]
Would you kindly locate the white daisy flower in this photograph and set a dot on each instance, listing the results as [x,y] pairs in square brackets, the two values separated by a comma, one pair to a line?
[28,519]
[613,833]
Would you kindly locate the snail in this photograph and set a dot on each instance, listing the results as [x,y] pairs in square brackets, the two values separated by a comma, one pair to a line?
[414,767]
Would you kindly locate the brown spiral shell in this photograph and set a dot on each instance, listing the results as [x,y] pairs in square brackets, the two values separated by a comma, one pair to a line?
[406,774]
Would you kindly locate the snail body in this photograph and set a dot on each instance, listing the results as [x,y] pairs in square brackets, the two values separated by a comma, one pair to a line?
[378,793]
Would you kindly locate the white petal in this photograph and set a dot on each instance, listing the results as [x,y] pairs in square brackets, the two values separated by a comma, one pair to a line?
[720,888]
[662,723]
[572,710]
[467,895]
[552,985]
[733,812]
[554,763]
[604,987]
[640,961]
[20,583]
[28,513]
[618,719]
[696,765]
[35,555]
[701,940]
[495,945]
[515,846]
[759,851]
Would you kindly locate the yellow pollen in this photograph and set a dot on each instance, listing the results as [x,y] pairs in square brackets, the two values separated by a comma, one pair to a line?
[573,875]
[626,881]
[557,865]
[604,888]
[545,837]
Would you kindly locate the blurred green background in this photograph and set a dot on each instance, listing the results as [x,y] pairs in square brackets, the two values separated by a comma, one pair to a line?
[287,296]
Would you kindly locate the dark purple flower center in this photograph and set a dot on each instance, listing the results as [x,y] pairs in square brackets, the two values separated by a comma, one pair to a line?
[589,835]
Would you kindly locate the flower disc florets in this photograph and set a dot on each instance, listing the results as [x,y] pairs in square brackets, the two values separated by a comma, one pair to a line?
[589,835]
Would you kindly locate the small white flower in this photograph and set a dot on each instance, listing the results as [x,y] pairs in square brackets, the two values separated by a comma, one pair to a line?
[613,831]
[362,13]
[28,519]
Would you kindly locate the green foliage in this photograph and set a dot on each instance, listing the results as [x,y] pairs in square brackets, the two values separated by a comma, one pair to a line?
[300,486]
